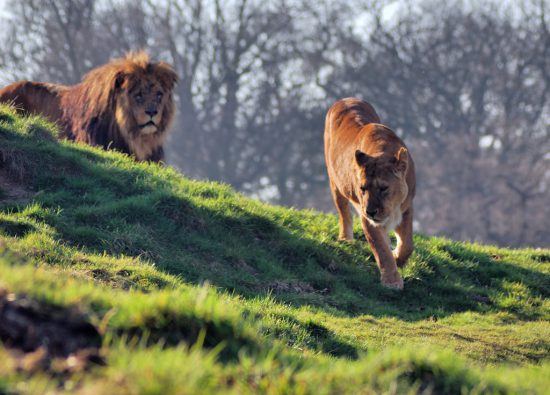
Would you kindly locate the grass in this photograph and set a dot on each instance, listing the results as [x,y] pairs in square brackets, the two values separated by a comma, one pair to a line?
[194,288]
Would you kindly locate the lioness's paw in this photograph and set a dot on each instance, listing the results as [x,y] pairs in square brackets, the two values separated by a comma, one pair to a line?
[400,262]
[396,282]
[401,259]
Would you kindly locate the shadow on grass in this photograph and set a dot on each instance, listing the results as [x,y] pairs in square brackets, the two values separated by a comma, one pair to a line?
[204,232]
[15,228]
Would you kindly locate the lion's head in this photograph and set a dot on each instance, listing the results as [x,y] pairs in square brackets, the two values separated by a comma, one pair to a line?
[382,186]
[136,93]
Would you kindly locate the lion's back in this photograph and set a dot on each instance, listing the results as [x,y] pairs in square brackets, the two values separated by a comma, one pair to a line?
[35,98]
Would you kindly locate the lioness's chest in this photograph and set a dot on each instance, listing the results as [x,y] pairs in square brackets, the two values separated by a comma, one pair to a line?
[394,219]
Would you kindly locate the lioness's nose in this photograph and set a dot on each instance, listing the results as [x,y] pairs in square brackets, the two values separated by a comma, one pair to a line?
[151,113]
[371,213]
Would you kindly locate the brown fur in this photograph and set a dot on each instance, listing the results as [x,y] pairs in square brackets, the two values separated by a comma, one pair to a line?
[126,104]
[370,167]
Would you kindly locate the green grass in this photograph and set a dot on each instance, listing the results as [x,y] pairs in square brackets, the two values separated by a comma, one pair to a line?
[195,288]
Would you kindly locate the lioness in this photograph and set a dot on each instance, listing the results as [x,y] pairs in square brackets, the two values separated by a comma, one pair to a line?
[369,166]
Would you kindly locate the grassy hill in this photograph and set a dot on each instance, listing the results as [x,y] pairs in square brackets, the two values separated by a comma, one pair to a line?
[124,277]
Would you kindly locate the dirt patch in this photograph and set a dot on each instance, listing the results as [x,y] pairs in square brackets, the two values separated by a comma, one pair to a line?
[481,299]
[46,338]
[241,264]
[298,287]
[11,190]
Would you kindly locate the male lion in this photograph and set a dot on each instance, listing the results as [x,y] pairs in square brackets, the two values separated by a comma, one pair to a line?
[125,104]
[369,166]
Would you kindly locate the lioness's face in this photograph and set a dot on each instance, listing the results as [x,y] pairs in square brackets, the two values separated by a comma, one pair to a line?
[146,101]
[381,186]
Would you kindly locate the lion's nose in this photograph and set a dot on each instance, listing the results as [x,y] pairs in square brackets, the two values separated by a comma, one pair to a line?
[151,113]
[371,213]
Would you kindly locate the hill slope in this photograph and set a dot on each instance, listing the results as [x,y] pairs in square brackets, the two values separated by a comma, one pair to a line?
[146,282]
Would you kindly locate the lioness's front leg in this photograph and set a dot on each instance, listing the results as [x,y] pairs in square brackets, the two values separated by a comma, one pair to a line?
[404,235]
[345,220]
[380,246]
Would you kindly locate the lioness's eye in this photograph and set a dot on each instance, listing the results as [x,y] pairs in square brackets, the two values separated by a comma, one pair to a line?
[138,97]
[363,188]
[383,189]
[159,95]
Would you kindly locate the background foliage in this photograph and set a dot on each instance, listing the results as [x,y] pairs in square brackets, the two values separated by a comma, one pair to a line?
[465,84]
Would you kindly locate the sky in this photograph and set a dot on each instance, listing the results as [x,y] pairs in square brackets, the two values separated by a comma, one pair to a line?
[3,4]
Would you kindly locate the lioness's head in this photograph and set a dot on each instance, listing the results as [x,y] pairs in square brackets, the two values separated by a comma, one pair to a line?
[143,95]
[381,187]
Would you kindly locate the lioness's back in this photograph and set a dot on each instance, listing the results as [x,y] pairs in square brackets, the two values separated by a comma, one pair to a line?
[350,113]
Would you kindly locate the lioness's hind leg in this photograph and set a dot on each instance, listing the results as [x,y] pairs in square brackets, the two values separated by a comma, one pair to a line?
[404,235]
[345,219]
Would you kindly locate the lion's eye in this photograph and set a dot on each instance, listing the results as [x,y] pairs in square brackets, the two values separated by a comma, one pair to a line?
[363,188]
[383,189]
[138,97]
[159,95]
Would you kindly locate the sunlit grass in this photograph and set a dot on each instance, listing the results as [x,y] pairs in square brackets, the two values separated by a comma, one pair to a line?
[196,288]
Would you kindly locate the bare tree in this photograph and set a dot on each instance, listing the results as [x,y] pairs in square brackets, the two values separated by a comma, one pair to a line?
[466,85]
[50,38]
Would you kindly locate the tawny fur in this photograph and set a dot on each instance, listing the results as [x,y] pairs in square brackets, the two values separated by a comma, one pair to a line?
[370,168]
[102,109]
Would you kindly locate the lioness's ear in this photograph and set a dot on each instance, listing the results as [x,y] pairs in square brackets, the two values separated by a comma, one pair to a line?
[361,158]
[401,160]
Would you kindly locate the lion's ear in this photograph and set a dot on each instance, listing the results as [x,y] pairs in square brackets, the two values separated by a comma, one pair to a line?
[401,160]
[168,76]
[362,159]
[119,80]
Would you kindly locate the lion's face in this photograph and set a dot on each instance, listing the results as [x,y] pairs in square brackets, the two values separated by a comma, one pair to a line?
[142,106]
[382,187]
[126,104]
